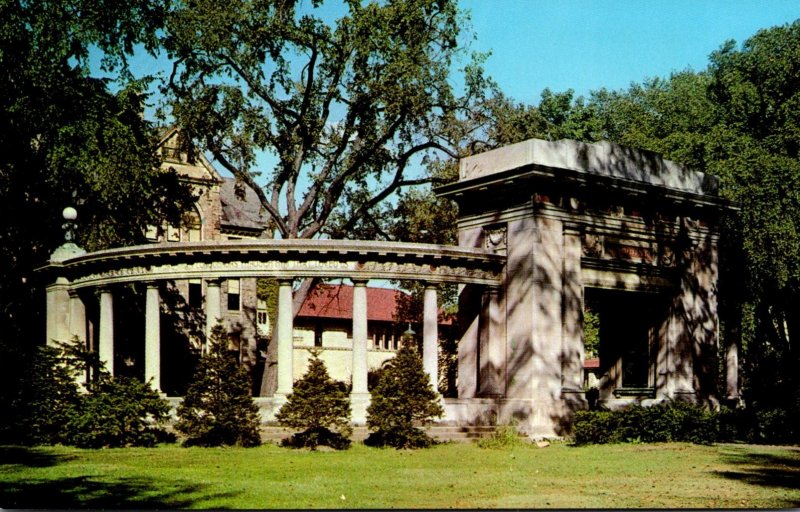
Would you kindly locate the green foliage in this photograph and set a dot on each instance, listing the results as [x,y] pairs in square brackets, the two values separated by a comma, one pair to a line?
[67,139]
[317,404]
[663,422]
[267,290]
[402,400]
[109,412]
[504,437]
[44,403]
[118,412]
[591,333]
[760,426]
[218,409]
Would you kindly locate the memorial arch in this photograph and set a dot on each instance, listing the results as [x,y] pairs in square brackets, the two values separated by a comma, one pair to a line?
[545,229]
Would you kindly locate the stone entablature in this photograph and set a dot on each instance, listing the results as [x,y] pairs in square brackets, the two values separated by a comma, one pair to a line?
[284,259]
[628,166]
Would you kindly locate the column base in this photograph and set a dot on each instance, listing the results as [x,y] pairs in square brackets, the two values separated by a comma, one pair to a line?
[358,407]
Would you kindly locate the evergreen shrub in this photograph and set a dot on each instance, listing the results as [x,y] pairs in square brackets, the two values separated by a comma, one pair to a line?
[118,412]
[664,422]
[109,412]
[402,400]
[317,405]
[218,408]
[46,399]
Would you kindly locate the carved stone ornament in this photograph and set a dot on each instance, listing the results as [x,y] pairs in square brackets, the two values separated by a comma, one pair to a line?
[496,238]
[592,245]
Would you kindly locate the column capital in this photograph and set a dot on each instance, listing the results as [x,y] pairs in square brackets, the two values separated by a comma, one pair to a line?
[359,281]
[214,281]
[285,280]
[151,284]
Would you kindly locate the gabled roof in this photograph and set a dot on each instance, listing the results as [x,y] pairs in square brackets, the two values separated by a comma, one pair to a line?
[200,170]
[336,301]
[241,211]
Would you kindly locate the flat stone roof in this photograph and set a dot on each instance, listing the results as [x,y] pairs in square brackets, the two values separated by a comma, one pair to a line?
[601,159]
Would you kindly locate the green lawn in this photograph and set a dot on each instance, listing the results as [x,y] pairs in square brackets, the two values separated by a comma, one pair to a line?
[455,475]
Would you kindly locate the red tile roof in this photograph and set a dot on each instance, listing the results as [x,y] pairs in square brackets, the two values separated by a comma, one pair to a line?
[336,301]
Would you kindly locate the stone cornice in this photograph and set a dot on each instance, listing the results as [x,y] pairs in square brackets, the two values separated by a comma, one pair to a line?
[353,259]
[582,182]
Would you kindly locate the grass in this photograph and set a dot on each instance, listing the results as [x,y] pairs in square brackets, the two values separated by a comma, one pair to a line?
[454,475]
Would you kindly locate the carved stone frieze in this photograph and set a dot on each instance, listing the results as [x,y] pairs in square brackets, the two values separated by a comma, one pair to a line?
[660,254]
[349,265]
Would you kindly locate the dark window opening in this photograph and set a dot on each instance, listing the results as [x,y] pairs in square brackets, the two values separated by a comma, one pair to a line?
[195,295]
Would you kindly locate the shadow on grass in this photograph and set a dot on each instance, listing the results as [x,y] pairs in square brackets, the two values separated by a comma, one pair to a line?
[29,457]
[765,469]
[89,492]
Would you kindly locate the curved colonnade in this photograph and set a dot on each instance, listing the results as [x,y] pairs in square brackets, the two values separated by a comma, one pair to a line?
[72,270]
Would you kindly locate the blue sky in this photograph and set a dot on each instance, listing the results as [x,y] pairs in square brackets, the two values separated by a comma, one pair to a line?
[589,44]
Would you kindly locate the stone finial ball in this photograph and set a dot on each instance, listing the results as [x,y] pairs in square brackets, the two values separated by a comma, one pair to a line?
[70,213]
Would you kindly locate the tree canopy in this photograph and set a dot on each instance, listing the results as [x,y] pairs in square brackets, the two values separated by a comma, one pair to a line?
[68,139]
[346,105]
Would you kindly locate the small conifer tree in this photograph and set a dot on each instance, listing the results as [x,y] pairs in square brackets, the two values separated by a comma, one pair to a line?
[402,400]
[218,409]
[317,404]
[109,412]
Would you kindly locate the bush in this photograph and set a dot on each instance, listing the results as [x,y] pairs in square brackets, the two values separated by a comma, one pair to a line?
[48,398]
[664,422]
[218,409]
[761,426]
[112,412]
[118,412]
[316,404]
[402,400]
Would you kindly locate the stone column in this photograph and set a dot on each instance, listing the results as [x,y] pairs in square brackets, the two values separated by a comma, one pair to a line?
[106,348]
[77,317]
[430,335]
[285,330]
[213,306]
[732,371]
[359,397]
[152,335]
[58,312]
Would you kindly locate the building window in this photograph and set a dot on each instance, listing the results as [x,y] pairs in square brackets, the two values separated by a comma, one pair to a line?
[262,318]
[318,336]
[233,295]
[194,225]
[171,154]
[173,234]
[151,233]
[195,293]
